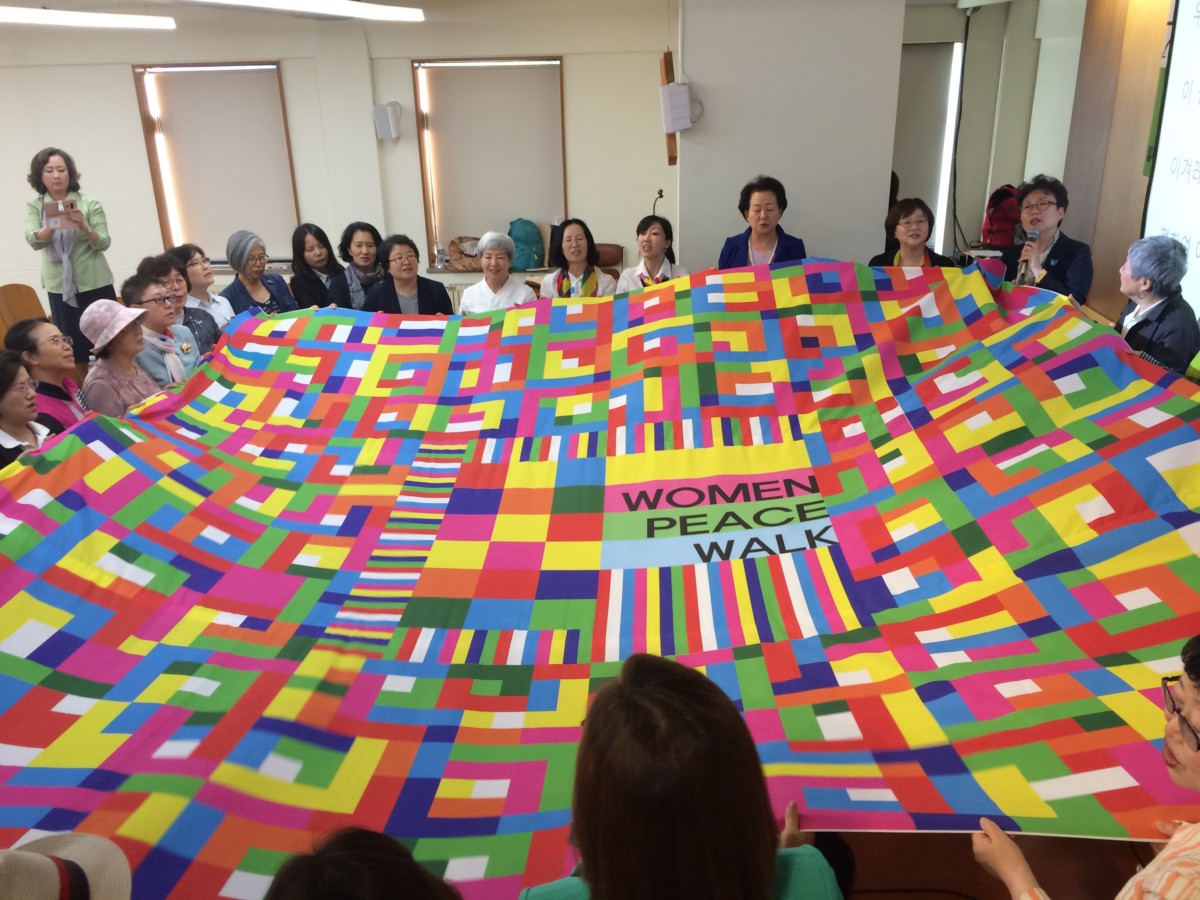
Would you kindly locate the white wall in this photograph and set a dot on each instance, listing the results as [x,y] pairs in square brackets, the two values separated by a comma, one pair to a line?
[925,75]
[805,92]
[333,72]
[1060,36]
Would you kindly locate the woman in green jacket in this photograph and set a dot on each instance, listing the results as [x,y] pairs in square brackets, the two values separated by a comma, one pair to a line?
[71,232]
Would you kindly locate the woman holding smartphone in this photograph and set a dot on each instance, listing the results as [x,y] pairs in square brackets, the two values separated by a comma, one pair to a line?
[71,232]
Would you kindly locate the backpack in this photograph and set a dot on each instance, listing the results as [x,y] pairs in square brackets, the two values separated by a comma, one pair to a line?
[530,253]
[1000,218]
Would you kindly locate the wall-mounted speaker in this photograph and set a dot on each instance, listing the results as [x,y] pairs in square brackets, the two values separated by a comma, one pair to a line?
[387,121]
[676,107]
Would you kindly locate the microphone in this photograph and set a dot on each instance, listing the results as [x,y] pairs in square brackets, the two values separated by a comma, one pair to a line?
[1023,265]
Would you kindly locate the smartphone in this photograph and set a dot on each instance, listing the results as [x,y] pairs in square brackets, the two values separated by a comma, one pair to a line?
[55,214]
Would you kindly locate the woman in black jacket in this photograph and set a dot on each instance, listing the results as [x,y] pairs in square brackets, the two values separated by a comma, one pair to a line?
[402,290]
[313,266]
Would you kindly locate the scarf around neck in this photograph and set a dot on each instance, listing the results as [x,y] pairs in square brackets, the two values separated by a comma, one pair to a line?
[587,284]
[62,242]
[165,344]
[359,281]
[648,280]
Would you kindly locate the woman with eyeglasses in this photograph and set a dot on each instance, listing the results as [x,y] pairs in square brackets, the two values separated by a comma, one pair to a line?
[254,286]
[1175,872]
[115,382]
[1048,258]
[169,353]
[19,429]
[574,257]
[909,224]
[171,274]
[46,353]
[404,292]
[1157,322]
[198,268]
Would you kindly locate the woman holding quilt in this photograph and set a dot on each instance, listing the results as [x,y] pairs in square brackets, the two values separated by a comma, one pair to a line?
[1175,873]
[574,256]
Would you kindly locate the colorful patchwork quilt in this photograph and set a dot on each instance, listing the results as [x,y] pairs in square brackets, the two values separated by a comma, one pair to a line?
[937,539]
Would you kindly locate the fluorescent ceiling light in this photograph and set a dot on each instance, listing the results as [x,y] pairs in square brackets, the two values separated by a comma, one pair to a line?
[485,63]
[342,9]
[171,70]
[20,15]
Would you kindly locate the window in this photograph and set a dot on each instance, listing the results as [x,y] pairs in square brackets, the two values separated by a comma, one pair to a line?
[220,161]
[491,144]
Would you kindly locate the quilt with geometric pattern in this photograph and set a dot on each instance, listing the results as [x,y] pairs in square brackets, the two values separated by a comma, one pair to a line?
[938,539]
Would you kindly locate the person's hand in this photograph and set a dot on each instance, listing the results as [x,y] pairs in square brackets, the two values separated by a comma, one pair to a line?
[792,836]
[75,215]
[1168,829]
[1032,257]
[1000,856]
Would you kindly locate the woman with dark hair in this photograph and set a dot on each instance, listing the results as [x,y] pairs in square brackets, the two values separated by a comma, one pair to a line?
[573,257]
[358,863]
[198,269]
[654,240]
[46,353]
[1157,322]
[403,291]
[670,799]
[359,247]
[313,266]
[254,286]
[172,274]
[1048,258]
[909,225]
[762,204]
[72,231]
[1175,871]
[115,382]
[169,353]
[19,430]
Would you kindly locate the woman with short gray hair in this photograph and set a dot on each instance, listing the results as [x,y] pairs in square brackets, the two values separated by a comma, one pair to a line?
[1157,322]
[497,290]
[254,286]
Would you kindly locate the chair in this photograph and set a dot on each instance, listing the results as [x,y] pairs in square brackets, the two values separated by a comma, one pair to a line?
[19,302]
[612,258]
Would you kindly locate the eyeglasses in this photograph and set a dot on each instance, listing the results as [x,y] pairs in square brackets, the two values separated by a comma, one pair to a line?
[909,223]
[1185,727]
[1039,206]
[200,261]
[58,340]
[260,259]
[161,301]
[28,387]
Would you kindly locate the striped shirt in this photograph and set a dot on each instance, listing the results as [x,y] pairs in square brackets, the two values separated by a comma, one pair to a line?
[1172,875]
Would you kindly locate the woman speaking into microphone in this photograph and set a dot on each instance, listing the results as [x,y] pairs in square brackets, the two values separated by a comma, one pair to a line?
[1048,258]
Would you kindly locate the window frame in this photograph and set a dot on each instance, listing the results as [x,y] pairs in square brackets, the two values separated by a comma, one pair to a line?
[151,128]
[432,235]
